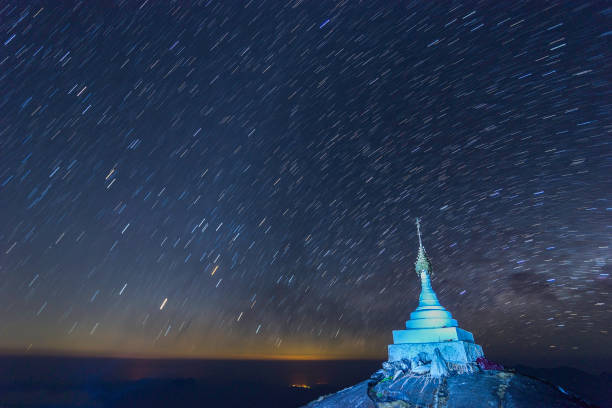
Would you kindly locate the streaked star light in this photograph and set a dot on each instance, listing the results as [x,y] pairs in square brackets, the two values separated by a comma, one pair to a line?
[220,179]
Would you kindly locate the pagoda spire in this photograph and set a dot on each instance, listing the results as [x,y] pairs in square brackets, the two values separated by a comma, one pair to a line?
[422,263]
[431,329]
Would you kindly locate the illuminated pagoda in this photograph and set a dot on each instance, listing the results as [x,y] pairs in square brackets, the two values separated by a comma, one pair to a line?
[431,326]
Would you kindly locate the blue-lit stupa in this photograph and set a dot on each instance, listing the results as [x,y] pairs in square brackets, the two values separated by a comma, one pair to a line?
[431,326]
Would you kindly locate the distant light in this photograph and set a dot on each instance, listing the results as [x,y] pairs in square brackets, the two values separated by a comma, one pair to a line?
[324,23]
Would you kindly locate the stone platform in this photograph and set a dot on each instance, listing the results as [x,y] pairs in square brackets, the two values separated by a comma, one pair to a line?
[457,352]
[433,335]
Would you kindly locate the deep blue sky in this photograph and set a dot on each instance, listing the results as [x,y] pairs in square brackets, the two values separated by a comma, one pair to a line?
[256,169]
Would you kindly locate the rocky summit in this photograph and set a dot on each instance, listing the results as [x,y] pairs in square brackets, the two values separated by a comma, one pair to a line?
[401,387]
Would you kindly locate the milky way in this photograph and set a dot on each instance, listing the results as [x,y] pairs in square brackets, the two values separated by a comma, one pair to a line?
[242,178]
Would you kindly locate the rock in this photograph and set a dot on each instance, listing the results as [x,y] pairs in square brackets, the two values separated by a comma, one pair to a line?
[355,396]
[481,389]
[424,357]
[393,404]
[415,362]
[488,365]
[462,368]
[403,365]
[422,369]
[378,375]
[394,369]
[438,365]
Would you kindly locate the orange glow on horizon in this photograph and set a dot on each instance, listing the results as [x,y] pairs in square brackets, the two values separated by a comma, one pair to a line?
[179,356]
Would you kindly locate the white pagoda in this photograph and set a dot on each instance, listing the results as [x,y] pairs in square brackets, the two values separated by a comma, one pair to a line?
[431,326]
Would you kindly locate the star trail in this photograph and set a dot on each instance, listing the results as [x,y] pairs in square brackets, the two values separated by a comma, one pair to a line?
[241,179]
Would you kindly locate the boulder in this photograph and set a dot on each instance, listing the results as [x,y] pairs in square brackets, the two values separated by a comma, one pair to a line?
[422,369]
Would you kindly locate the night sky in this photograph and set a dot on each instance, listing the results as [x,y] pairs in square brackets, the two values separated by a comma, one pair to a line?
[225,178]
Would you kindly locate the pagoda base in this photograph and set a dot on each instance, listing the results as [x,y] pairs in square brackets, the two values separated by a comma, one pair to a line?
[431,335]
[458,352]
